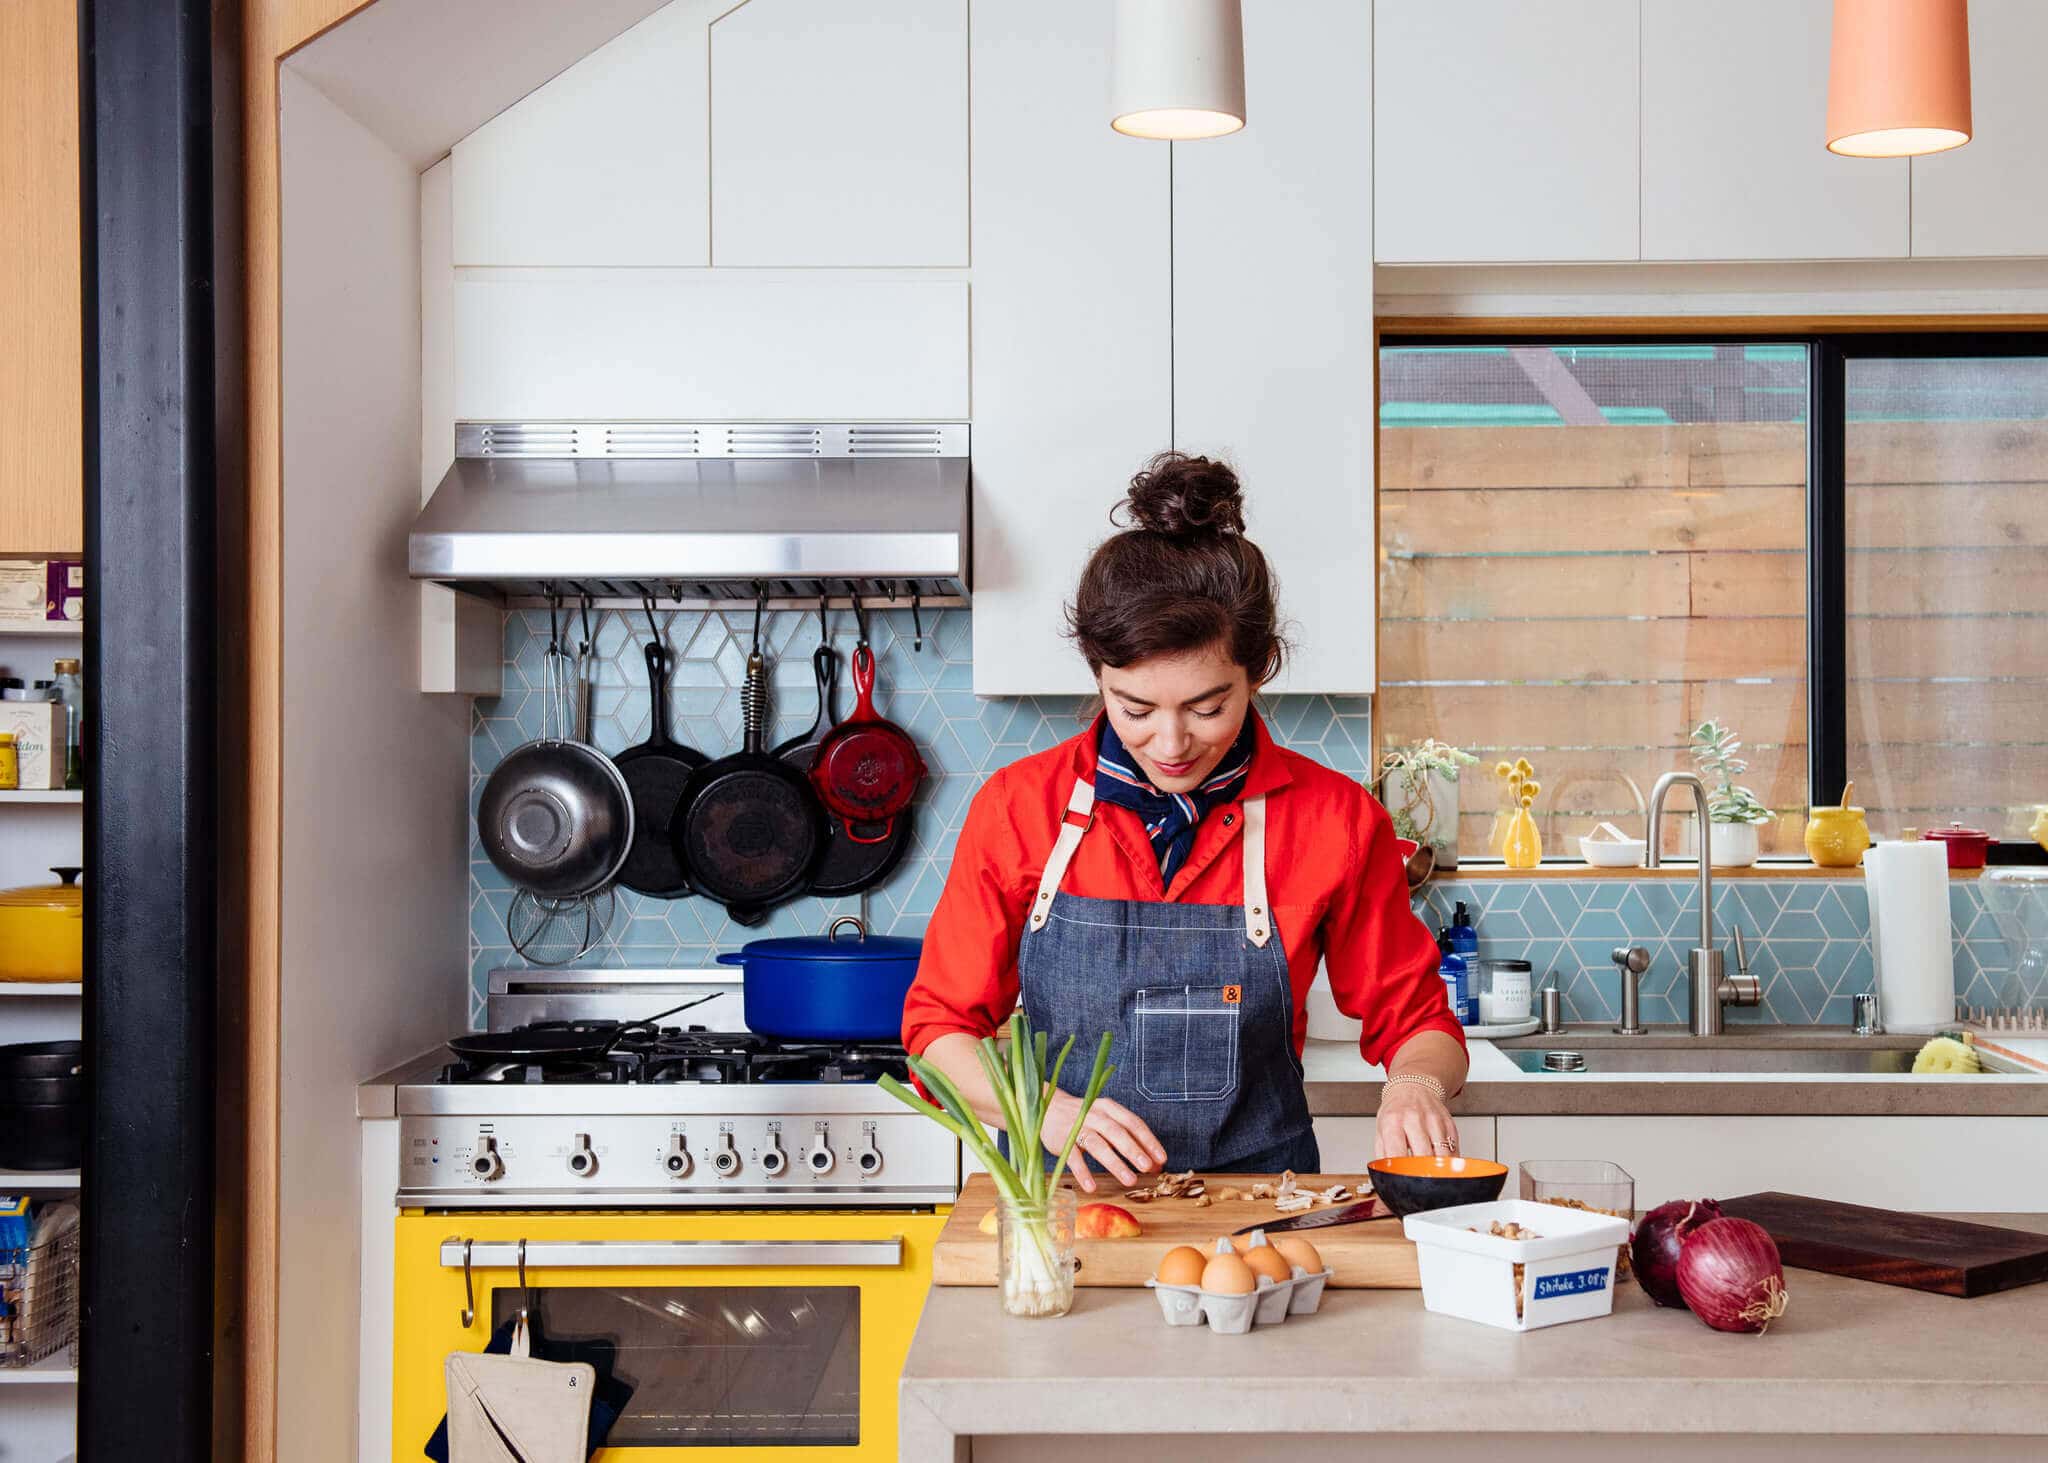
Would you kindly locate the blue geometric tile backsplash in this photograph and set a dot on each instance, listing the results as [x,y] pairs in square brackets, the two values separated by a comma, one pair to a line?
[928,689]
[1809,940]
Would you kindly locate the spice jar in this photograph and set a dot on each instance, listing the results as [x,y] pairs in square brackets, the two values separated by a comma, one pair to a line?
[10,763]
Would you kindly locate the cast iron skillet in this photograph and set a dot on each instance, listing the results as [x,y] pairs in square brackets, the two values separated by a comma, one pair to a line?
[867,768]
[846,867]
[749,829]
[584,1041]
[656,771]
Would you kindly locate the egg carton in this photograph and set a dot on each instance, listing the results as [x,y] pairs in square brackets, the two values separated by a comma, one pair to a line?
[1233,1315]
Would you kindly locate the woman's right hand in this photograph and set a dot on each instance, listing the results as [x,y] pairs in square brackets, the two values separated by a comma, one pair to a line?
[1116,1137]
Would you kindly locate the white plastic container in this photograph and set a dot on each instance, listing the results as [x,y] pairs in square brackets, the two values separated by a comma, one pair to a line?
[1567,1274]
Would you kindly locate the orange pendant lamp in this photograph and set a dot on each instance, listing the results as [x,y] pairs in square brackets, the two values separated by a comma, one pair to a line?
[1899,77]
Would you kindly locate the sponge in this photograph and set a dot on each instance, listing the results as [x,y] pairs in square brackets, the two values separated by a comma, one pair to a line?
[1946,1054]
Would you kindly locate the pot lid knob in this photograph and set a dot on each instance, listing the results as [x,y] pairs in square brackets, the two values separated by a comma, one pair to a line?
[847,919]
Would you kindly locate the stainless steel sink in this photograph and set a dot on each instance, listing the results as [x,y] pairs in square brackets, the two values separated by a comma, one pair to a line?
[1790,1060]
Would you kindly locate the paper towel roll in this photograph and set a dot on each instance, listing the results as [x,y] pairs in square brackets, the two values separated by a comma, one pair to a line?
[1909,934]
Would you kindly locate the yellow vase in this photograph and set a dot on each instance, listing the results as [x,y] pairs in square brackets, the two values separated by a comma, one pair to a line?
[2039,832]
[1522,846]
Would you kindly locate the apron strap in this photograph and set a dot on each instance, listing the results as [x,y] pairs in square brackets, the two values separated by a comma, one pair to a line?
[1258,920]
[1080,813]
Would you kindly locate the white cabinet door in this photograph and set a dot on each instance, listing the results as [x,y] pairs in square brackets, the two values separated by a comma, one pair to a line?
[607,164]
[1735,160]
[1072,353]
[1893,1163]
[839,133]
[1504,130]
[1986,197]
[1272,321]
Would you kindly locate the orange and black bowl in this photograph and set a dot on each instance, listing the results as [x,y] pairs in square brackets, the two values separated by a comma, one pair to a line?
[1412,1184]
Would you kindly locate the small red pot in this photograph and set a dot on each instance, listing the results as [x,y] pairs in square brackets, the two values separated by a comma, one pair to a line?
[1967,847]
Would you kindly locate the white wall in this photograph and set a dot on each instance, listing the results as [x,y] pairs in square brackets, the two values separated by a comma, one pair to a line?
[375,774]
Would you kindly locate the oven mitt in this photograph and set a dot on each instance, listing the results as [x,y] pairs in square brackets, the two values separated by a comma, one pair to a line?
[608,1394]
[516,1409]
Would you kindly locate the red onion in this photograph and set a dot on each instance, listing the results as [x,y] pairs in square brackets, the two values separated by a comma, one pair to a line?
[1730,1274]
[1653,1253]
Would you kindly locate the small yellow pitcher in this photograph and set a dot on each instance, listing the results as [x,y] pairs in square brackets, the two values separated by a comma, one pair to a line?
[2039,832]
[1836,837]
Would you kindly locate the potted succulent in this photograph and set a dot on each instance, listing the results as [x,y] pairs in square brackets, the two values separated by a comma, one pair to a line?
[1734,809]
[1418,783]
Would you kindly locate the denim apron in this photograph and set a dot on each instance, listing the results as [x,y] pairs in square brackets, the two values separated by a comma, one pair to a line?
[1198,998]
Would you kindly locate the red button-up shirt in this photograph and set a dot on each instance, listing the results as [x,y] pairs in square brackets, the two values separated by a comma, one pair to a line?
[1333,874]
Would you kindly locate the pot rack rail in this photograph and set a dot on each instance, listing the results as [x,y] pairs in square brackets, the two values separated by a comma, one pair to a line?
[720,594]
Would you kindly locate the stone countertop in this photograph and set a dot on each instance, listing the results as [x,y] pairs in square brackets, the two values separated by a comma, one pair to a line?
[1850,1357]
[1342,1084]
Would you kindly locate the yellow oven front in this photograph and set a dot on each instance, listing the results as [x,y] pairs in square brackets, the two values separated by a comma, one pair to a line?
[760,1336]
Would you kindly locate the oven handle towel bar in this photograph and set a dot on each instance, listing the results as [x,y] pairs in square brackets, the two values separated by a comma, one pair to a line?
[463,1254]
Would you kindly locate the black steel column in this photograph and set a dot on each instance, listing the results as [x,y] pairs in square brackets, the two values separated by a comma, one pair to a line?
[1827,585]
[147,143]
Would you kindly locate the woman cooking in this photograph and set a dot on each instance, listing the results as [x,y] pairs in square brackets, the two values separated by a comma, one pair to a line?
[1173,876]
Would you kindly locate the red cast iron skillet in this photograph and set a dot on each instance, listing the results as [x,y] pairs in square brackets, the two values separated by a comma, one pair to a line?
[846,867]
[867,769]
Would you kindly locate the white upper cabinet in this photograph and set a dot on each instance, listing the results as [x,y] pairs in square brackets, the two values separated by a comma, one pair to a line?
[1505,130]
[1987,196]
[839,133]
[607,164]
[1735,159]
[1072,349]
[1272,321]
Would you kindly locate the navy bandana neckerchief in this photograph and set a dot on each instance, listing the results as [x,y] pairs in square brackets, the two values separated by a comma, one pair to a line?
[1170,819]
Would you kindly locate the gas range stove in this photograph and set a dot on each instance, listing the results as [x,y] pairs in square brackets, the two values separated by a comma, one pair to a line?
[668,1117]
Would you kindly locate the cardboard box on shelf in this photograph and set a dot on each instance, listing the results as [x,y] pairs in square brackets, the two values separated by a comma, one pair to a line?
[38,728]
[24,592]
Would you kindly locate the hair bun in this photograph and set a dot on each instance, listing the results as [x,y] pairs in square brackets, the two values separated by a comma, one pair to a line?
[1182,496]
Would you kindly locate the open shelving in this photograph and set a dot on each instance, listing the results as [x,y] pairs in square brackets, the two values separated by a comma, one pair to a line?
[52,1371]
[38,1180]
[36,795]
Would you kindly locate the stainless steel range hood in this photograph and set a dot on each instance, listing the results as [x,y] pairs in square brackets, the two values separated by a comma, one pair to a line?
[699,510]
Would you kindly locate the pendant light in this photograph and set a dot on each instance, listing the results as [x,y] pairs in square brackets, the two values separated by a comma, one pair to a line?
[1178,73]
[1899,77]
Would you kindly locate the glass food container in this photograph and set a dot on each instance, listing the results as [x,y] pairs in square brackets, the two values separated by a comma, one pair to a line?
[1582,1183]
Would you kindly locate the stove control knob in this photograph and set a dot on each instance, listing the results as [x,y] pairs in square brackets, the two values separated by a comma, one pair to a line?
[820,1157]
[678,1161]
[869,1159]
[773,1160]
[582,1162]
[727,1159]
[484,1161]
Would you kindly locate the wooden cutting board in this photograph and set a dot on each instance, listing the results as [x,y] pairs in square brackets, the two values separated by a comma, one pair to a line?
[1370,1256]
[1946,1256]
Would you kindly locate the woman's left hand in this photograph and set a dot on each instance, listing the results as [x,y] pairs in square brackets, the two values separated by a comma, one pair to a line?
[1414,1120]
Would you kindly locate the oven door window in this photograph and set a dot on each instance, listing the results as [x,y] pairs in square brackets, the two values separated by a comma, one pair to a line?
[755,1366]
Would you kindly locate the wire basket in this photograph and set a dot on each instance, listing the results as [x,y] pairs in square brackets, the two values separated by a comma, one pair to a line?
[39,1301]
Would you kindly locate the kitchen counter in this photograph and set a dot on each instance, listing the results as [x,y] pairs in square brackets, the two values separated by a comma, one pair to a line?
[1342,1084]
[1851,1360]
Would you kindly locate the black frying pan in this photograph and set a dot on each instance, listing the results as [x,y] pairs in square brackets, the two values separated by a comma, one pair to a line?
[584,1042]
[847,866]
[749,829]
[656,772]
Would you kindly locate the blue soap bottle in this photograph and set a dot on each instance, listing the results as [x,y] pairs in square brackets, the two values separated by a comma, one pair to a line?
[1457,977]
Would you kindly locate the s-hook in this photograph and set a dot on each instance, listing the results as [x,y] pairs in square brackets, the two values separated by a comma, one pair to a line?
[468,1287]
[916,622]
[760,607]
[647,606]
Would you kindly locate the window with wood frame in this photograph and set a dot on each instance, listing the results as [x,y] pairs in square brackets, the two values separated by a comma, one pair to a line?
[1837,546]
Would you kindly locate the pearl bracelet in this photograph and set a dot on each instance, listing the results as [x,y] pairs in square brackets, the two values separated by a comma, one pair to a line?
[1419,1079]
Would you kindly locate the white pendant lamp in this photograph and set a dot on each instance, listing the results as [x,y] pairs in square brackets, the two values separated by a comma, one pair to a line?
[1179,69]
[1899,77]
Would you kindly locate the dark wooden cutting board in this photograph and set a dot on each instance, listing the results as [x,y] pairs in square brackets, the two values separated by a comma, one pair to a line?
[1946,1256]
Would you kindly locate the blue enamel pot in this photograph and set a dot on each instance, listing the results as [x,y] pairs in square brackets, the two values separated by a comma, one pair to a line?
[828,987]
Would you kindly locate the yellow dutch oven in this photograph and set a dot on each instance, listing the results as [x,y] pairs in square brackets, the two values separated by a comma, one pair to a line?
[42,930]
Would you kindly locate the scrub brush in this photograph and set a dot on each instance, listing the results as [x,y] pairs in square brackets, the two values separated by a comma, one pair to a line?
[1946,1054]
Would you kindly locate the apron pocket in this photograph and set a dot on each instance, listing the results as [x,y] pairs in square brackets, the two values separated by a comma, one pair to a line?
[1187,1041]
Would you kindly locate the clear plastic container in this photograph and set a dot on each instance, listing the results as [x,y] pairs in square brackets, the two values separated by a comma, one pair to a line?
[1591,1184]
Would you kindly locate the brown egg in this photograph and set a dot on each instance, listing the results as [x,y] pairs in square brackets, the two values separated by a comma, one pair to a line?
[1268,1262]
[1299,1252]
[1228,1275]
[1182,1265]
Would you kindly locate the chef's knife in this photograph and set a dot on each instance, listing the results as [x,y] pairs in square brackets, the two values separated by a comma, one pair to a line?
[1321,1218]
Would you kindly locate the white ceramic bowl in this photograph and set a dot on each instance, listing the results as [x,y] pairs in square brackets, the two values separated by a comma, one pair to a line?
[1604,853]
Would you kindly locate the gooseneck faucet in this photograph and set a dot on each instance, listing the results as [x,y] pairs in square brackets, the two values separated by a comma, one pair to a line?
[1708,988]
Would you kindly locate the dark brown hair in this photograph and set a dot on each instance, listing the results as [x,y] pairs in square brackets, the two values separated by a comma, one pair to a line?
[1182,575]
